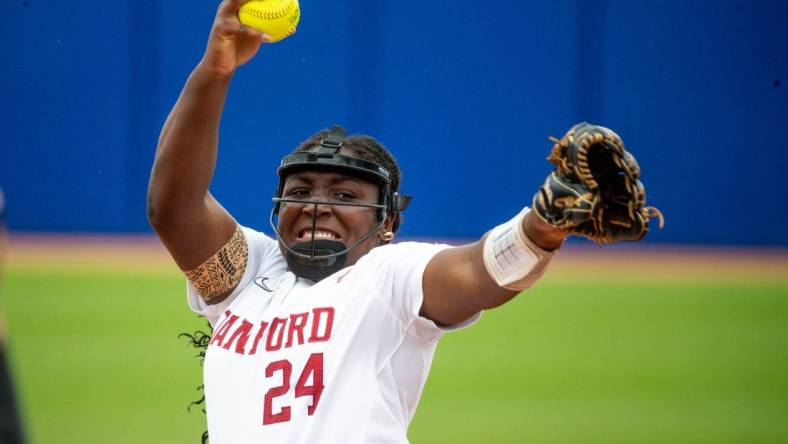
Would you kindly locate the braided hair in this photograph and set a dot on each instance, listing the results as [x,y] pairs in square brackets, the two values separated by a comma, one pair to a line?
[199,339]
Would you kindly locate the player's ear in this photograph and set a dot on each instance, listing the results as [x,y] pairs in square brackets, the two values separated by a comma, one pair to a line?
[386,232]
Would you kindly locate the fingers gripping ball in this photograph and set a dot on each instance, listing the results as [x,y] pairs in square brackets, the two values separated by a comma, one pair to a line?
[595,190]
[277,18]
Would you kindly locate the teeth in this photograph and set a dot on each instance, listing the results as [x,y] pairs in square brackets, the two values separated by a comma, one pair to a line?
[318,234]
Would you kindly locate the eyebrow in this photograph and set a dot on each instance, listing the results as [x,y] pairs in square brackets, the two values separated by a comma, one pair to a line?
[337,178]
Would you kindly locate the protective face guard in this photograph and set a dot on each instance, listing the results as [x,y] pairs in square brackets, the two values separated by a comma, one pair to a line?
[318,259]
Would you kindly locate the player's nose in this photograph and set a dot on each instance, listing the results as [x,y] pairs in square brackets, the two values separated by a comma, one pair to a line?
[318,206]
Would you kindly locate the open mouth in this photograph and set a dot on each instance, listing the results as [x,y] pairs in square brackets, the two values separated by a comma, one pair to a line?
[305,235]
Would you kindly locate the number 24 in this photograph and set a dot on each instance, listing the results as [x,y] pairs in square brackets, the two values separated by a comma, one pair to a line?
[313,367]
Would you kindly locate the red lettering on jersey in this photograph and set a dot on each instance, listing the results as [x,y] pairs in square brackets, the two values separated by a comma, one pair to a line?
[269,417]
[314,367]
[297,324]
[257,338]
[221,332]
[276,333]
[242,335]
[322,316]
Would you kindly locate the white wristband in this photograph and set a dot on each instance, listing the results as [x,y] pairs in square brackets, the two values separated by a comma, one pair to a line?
[511,259]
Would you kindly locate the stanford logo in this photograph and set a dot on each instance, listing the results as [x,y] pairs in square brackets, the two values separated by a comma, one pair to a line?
[247,338]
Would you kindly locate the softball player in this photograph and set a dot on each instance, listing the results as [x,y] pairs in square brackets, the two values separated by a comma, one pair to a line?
[326,333]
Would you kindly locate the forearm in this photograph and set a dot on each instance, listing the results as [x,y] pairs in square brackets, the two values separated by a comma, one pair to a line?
[457,285]
[541,240]
[187,149]
[461,281]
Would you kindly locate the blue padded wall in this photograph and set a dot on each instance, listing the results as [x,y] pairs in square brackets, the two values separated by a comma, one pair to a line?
[464,97]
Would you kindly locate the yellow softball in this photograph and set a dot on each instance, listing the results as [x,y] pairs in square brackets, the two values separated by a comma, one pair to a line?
[277,18]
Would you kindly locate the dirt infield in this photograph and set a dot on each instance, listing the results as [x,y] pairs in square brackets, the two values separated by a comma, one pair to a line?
[676,262]
[88,252]
[145,253]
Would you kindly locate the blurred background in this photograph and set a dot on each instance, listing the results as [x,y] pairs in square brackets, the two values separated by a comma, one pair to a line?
[690,346]
[465,95]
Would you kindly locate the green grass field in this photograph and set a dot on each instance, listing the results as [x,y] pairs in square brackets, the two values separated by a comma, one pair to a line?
[681,357]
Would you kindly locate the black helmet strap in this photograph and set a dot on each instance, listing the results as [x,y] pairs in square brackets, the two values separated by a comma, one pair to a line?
[333,142]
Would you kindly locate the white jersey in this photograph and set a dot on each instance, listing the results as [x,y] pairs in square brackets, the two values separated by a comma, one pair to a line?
[341,361]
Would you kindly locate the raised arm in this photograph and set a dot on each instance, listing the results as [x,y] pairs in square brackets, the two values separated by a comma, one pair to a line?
[188,220]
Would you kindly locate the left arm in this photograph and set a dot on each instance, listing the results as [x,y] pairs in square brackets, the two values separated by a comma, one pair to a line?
[457,284]
[594,192]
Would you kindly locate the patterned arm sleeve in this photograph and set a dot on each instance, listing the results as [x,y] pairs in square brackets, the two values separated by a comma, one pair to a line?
[260,248]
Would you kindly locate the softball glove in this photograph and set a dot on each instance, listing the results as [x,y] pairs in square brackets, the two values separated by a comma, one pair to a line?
[595,191]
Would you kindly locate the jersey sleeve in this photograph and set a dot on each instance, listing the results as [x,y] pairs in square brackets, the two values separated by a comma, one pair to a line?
[401,271]
[262,249]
